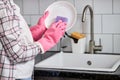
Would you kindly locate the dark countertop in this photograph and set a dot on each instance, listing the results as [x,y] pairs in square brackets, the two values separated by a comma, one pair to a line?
[57,75]
[117,72]
[64,74]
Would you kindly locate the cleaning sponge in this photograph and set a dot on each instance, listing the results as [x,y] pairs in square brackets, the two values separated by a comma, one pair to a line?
[77,35]
[64,19]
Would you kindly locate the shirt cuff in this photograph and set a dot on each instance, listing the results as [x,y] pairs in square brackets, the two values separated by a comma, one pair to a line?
[40,47]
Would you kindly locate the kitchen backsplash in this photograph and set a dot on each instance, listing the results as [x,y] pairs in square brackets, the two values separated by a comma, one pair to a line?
[106,19]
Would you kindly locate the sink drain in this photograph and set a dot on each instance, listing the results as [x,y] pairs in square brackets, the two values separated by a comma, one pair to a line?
[89,62]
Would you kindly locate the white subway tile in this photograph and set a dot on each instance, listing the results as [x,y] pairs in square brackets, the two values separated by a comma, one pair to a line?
[77,26]
[44,4]
[19,3]
[34,19]
[103,6]
[96,24]
[71,1]
[116,6]
[27,19]
[111,24]
[31,6]
[80,4]
[86,24]
[106,42]
[116,43]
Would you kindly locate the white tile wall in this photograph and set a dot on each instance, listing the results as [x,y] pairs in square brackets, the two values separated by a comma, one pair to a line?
[44,4]
[28,19]
[80,4]
[116,6]
[103,6]
[20,4]
[97,24]
[34,19]
[106,42]
[111,24]
[106,19]
[117,43]
[78,25]
[71,1]
[30,7]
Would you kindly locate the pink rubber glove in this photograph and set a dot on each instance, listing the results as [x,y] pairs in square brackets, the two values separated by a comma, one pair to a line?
[53,35]
[39,29]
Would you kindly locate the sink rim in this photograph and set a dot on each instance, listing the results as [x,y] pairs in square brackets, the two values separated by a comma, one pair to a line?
[88,69]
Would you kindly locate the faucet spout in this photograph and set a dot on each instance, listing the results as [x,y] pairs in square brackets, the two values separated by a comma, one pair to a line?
[91,20]
[92,47]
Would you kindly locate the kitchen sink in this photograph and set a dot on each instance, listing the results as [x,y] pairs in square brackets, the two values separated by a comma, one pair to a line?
[73,61]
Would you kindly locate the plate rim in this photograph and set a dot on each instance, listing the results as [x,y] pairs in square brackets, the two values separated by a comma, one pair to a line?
[68,3]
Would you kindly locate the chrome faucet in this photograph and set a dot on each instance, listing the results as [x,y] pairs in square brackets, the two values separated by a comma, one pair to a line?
[92,47]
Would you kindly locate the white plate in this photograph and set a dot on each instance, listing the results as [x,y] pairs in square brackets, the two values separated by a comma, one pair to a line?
[64,9]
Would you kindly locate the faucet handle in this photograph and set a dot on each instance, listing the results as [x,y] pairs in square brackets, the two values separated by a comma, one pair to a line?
[98,47]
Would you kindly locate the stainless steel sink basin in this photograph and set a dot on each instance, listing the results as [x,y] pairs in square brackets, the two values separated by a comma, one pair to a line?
[92,62]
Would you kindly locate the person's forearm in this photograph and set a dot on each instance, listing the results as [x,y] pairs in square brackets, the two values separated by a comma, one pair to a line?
[14,42]
[17,51]
[37,31]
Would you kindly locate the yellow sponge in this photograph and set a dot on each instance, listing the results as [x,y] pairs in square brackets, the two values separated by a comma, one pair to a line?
[77,35]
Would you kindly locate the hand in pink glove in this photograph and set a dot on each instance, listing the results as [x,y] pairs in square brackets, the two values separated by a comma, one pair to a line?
[39,29]
[53,35]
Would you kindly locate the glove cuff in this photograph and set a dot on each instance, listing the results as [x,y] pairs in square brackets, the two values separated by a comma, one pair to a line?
[39,44]
[46,44]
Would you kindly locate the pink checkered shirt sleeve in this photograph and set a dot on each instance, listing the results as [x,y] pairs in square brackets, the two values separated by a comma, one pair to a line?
[13,48]
[10,36]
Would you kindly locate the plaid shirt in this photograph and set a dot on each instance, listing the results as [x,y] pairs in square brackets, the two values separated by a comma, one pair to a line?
[13,48]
